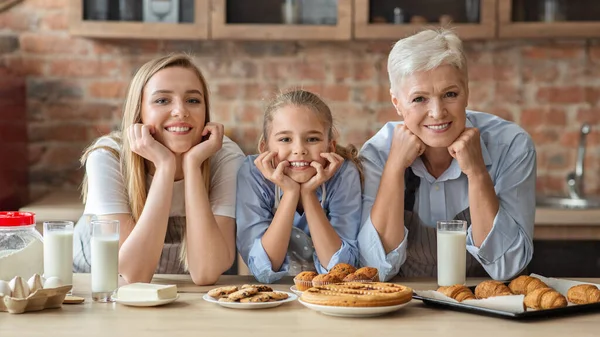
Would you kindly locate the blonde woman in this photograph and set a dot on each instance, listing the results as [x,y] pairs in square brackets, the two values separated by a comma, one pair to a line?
[169,177]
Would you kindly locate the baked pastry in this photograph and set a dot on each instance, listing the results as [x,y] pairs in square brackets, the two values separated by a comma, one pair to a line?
[358,294]
[242,293]
[324,279]
[342,269]
[544,298]
[583,294]
[491,288]
[260,297]
[524,284]
[303,280]
[363,274]
[458,292]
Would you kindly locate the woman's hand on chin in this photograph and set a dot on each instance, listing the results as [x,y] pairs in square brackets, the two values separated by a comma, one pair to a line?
[406,147]
[143,143]
[206,148]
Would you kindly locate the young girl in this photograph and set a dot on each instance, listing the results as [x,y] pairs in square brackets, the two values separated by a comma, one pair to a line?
[302,190]
[168,176]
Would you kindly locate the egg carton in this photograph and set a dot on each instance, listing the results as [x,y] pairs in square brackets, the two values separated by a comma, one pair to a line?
[39,298]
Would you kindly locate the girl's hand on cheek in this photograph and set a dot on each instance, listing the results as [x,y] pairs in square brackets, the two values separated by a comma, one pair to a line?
[205,149]
[334,161]
[275,174]
[143,143]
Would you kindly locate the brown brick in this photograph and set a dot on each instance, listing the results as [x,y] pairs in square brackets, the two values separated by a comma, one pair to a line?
[8,44]
[365,71]
[66,156]
[478,94]
[547,184]
[230,91]
[25,65]
[481,72]
[503,112]
[592,96]
[278,70]
[53,90]
[108,89]
[543,117]
[261,91]
[311,71]
[79,110]
[74,67]
[542,137]
[569,139]
[573,51]
[341,71]
[508,92]
[55,21]
[53,44]
[591,116]
[540,72]
[248,113]
[63,132]
[387,114]
[336,92]
[17,21]
[221,111]
[36,152]
[595,53]
[561,95]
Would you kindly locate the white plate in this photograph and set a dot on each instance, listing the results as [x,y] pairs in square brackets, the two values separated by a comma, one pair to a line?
[296,291]
[254,305]
[352,311]
[147,303]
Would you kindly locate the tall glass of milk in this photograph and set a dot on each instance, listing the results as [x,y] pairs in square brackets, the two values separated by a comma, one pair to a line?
[105,259]
[451,252]
[58,250]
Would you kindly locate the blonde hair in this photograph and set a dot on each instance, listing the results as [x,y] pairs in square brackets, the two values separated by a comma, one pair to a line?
[314,103]
[425,51]
[133,166]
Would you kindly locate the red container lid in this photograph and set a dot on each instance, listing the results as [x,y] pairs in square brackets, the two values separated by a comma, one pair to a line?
[12,219]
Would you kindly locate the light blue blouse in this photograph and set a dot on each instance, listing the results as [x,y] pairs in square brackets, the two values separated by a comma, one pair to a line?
[510,157]
[255,211]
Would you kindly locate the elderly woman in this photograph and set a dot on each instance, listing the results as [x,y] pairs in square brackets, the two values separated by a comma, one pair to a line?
[451,163]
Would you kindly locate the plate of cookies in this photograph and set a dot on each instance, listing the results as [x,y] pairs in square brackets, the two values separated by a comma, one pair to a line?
[248,296]
[356,299]
[523,297]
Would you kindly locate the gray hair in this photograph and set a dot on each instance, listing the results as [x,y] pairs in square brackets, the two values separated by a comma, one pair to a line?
[425,51]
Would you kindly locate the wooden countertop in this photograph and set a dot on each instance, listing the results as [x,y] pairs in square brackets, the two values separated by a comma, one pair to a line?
[550,224]
[190,315]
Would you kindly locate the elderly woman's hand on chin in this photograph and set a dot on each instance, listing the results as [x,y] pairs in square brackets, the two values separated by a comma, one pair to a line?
[466,149]
[406,147]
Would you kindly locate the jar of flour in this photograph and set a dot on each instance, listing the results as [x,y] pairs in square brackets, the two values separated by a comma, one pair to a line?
[21,246]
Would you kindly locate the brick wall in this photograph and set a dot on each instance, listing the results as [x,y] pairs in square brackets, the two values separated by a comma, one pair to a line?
[76,87]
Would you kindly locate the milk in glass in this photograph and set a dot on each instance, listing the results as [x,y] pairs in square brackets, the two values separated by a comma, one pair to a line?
[58,250]
[105,259]
[451,252]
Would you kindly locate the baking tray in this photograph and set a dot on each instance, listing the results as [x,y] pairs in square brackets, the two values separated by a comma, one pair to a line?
[526,315]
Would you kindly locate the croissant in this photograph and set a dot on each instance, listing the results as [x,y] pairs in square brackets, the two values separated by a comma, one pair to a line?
[583,294]
[487,289]
[458,292]
[545,298]
[524,284]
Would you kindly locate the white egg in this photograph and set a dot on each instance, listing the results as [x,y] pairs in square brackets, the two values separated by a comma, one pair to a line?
[5,288]
[20,289]
[53,282]
[35,282]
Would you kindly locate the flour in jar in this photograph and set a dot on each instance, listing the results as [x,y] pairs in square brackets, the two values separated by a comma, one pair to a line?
[22,262]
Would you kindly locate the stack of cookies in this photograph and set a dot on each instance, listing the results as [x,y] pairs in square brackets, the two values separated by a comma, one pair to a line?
[248,293]
[341,272]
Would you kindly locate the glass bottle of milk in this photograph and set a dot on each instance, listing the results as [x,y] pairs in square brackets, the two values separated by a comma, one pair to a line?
[105,259]
[58,250]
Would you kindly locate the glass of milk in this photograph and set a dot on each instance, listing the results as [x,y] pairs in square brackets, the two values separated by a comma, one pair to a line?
[105,259]
[451,252]
[58,250]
